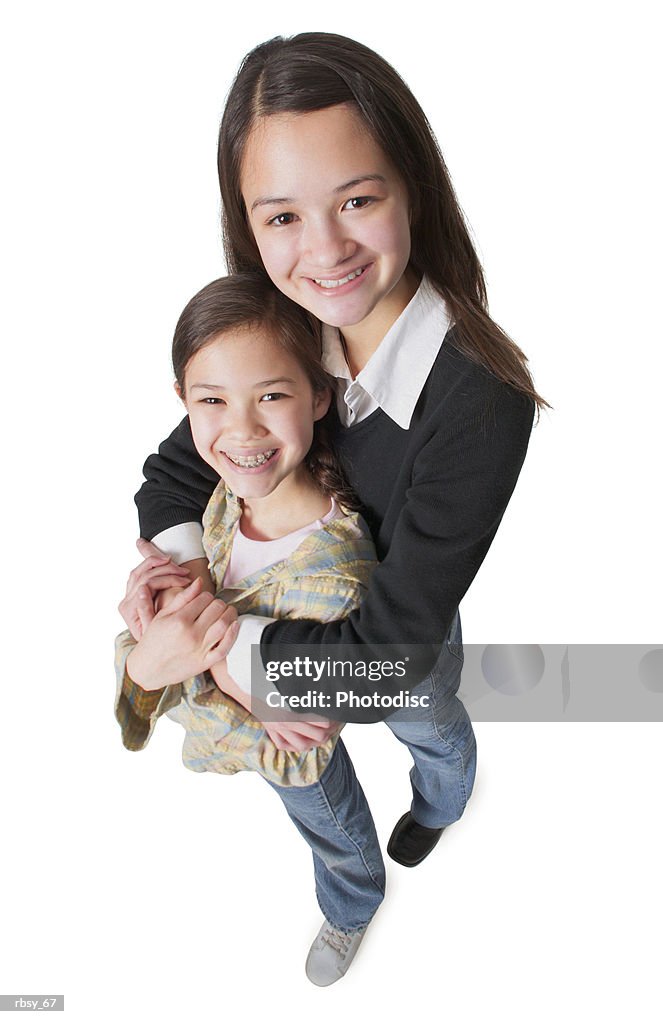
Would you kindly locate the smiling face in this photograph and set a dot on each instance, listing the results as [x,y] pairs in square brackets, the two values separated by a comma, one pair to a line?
[330,216]
[252,410]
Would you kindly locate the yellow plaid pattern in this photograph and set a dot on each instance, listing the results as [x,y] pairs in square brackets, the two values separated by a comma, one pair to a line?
[324,579]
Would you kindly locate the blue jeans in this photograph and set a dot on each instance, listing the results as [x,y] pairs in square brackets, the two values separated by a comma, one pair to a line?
[442,742]
[333,815]
[334,818]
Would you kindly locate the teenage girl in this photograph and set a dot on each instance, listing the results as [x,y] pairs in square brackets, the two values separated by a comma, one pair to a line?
[280,541]
[332,181]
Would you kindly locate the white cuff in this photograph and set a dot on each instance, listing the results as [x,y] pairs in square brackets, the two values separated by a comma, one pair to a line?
[239,657]
[181,543]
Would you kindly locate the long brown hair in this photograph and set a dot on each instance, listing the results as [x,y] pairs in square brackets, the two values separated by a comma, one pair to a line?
[315,70]
[250,300]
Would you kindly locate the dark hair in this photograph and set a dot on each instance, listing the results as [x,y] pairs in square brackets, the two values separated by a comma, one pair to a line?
[315,70]
[249,300]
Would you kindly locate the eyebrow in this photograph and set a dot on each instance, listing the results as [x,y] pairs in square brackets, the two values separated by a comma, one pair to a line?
[282,200]
[259,384]
[360,180]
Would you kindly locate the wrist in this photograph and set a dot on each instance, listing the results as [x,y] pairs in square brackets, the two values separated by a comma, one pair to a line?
[227,685]
[138,673]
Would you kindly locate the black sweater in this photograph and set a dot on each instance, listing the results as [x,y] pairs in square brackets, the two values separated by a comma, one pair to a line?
[433,497]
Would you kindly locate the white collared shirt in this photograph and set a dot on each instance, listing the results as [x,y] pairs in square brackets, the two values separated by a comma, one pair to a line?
[394,376]
[392,380]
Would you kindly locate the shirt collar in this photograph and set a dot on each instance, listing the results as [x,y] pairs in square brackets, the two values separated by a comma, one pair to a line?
[396,373]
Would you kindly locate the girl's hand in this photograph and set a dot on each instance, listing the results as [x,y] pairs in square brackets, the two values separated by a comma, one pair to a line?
[301,735]
[156,573]
[193,633]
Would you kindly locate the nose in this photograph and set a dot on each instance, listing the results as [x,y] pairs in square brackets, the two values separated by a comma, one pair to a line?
[326,245]
[243,424]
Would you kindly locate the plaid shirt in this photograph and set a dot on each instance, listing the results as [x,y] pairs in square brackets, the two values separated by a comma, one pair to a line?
[324,579]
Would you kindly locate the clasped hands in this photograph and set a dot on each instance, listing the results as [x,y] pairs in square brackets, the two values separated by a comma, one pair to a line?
[182,630]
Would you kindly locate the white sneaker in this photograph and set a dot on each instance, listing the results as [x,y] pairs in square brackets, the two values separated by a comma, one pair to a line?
[331,954]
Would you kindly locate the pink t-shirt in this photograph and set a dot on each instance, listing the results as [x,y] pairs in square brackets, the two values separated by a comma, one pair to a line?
[248,556]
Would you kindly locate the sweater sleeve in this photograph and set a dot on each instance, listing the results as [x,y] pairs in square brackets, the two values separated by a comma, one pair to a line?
[178,484]
[461,483]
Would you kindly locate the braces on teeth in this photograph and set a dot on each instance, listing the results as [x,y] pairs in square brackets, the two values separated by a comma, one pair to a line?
[251,461]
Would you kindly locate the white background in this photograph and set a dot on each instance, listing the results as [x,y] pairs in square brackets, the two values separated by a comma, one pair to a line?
[143,891]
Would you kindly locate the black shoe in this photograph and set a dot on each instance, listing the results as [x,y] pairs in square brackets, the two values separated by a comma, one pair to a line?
[410,842]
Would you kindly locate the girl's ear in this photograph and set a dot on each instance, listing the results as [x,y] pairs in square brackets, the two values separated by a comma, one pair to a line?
[179,392]
[321,403]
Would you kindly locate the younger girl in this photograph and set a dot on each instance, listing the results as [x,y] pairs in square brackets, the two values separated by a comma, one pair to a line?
[280,542]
